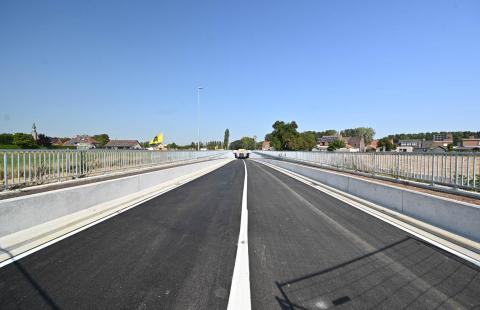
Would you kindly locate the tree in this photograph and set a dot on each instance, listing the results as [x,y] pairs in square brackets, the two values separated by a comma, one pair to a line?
[172,146]
[330,132]
[214,145]
[367,132]
[102,139]
[43,140]
[24,140]
[6,138]
[284,136]
[306,141]
[335,145]
[235,145]
[387,143]
[248,143]
[226,137]
[457,136]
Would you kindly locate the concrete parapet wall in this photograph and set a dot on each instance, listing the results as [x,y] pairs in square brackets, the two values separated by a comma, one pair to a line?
[25,212]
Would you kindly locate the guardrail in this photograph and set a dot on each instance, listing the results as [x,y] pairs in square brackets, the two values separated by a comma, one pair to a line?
[458,170]
[19,168]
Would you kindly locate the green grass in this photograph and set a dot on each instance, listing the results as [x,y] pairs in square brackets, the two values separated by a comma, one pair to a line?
[8,147]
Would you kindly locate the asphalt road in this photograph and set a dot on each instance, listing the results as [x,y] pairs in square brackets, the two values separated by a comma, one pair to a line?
[311,251]
[177,251]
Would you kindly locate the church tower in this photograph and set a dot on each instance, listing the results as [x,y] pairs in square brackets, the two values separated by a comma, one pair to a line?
[34,132]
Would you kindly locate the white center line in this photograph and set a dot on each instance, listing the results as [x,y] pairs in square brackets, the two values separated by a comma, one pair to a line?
[240,289]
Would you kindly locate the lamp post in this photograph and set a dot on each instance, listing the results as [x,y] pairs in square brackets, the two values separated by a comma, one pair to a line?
[198,117]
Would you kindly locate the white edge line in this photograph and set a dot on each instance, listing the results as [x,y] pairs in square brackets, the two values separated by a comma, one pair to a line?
[366,210]
[76,231]
[240,289]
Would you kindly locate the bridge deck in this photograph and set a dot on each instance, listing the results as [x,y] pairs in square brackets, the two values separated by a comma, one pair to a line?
[177,251]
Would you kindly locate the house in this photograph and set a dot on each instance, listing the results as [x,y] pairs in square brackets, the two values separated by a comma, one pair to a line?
[323,142]
[355,144]
[266,146]
[123,145]
[442,140]
[440,145]
[411,145]
[372,146]
[56,141]
[470,144]
[82,142]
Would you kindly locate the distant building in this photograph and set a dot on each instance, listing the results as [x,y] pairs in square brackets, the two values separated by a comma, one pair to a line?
[439,145]
[411,145]
[372,146]
[266,146]
[34,132]
[470,144]
[56,141]
[442,137]
[123,145]
[355,144]
[324,142]
[442,140]
[82,142]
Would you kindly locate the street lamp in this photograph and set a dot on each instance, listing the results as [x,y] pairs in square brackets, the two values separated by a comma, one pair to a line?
[198,117]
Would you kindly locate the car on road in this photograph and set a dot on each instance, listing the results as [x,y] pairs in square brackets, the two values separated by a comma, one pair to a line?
[241,153]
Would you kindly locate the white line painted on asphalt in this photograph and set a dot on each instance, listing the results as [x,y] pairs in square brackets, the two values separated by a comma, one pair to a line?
[443,244]
[240,289]
[128,207]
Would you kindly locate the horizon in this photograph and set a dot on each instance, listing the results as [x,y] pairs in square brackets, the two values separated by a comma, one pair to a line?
[132,70]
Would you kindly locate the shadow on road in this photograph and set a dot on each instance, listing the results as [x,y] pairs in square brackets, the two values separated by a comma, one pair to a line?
[406,273]
[29,278]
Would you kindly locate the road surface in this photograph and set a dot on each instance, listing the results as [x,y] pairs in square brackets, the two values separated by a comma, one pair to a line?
[307,250]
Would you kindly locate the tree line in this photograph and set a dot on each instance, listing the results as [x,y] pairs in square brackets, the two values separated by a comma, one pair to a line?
[457,136]
[286,137]
[22,140]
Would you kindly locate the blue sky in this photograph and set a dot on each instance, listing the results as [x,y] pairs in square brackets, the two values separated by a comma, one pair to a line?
[131,68]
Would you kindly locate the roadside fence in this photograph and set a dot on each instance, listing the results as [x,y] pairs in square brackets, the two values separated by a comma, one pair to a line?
[20,168]
[458,170]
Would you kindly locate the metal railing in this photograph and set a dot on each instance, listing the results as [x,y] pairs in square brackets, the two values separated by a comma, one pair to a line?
[19,168]
[459,170]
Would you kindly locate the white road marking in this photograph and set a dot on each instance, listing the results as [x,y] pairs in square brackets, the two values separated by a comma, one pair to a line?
[240,289]
[128,207]
[443,244]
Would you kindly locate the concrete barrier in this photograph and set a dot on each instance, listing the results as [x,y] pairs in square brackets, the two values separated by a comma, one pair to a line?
[457,217]
[24,212]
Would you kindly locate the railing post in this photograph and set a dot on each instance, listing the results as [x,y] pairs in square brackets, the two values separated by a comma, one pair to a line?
[58,166]
[76,164]
[468,170]
[5,169]
[398,166]
[456,171]
[474,170]
[433,169]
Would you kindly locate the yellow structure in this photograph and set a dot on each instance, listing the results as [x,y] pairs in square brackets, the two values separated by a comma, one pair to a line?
[157,140]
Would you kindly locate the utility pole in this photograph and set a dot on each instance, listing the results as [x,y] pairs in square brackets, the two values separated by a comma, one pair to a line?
[198,117]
